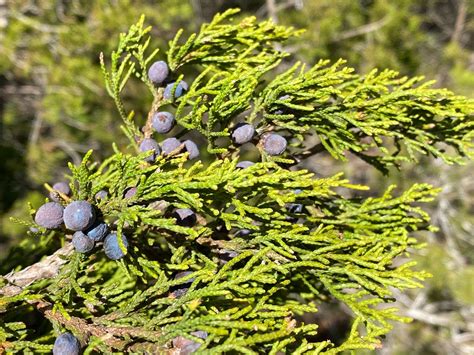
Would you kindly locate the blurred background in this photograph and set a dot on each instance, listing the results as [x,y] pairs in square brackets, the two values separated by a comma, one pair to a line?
[54,107]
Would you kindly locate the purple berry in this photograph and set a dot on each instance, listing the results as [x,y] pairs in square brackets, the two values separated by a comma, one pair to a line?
[282,98]
[130,192]
[188,346]
[181,88]
[82,243]
[227,255]
[66,344]
[62,187]
[50,215]
[163,121]
[169,145]
[295,207]
[191,148]
[180,290]
[79,215]
[112,247]
[243,232]
[158,72]
[185,217]
[243,133]
[150,144]
[98,231]
[244,164]
[101,195]
[274,144]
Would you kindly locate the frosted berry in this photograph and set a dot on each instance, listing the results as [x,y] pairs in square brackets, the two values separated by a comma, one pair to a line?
[98,231]
[295,207]
[274,144]
[82,243]
[169,145]
[149,144]
[191,148]
[163,121]
[243,232]
[180,290]
[158,72]
[185,217]
[50,215]
[244,164]
[181,88]
[130,192]
[101,195]
[243,133]
[79,215]
[62,187]
[66,344]
[112,247]
[282,98]
[227,255]
[188,346]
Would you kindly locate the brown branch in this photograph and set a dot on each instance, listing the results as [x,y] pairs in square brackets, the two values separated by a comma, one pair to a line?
[148,128]
[44,269]
[110,335]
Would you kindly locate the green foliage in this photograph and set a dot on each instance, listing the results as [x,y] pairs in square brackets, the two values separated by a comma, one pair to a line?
[345,110]
[225,45]
[381,117]
[248,292]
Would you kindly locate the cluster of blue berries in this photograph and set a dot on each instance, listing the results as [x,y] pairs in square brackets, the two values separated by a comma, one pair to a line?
[158,73]
[163,121]
[81,217]
[272,143]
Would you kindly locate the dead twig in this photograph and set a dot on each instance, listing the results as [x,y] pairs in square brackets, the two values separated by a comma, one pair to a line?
[45,269]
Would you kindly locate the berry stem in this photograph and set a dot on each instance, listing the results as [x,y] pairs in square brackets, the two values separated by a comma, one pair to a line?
[63,196]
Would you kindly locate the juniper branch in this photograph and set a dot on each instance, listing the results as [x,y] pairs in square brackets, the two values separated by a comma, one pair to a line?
[250,251]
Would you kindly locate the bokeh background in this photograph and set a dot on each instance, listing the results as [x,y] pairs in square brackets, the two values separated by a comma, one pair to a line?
[54,107]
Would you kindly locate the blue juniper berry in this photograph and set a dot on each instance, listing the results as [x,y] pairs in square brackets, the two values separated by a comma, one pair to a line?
[50,215]
[66,344]
[79,215]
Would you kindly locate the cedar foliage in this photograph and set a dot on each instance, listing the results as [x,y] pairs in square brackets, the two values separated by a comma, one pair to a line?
[247,291]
